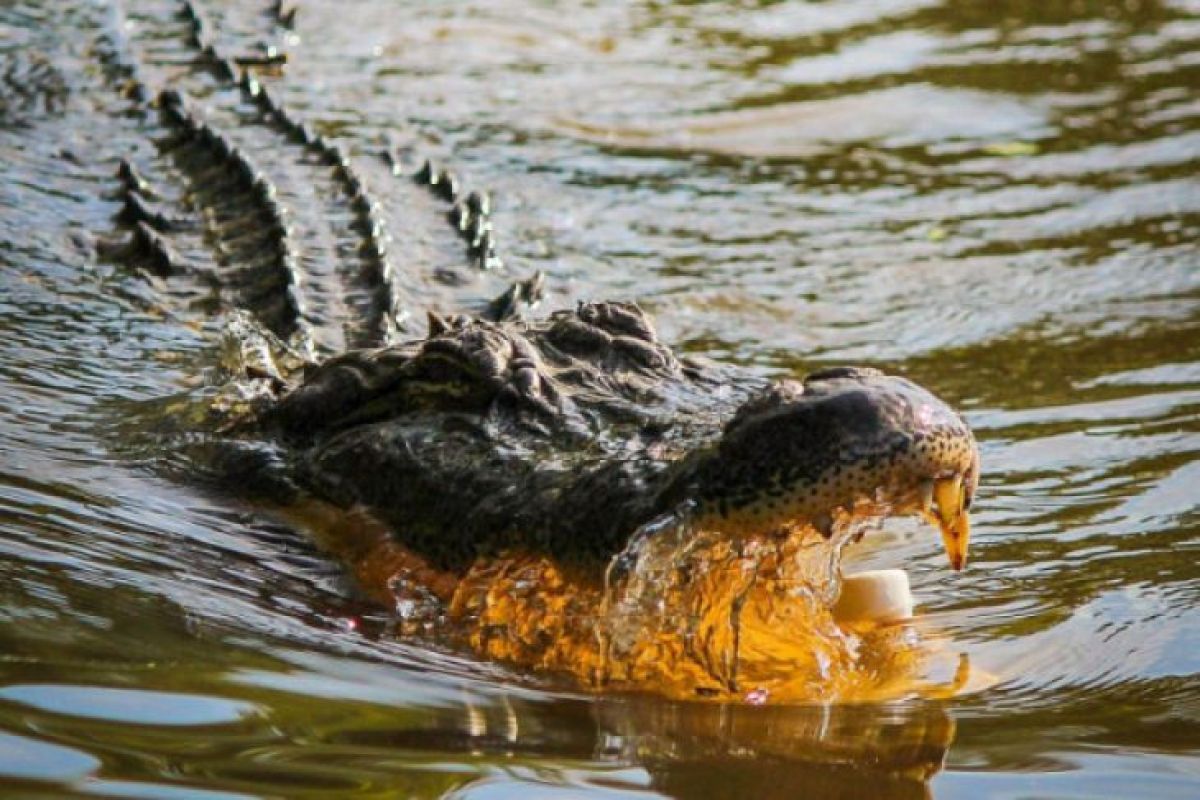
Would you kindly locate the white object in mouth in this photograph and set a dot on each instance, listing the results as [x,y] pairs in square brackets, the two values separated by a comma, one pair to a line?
[879,596]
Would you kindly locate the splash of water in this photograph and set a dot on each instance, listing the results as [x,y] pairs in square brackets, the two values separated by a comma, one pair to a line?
[686,604]
[689,612]
[681,611]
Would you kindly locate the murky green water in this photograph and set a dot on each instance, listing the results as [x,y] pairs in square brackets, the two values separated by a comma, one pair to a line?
[998,199]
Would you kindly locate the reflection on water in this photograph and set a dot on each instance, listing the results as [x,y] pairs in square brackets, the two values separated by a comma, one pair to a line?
[896,117]
[997,199]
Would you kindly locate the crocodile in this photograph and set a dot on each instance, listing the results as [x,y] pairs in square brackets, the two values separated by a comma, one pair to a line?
[540,473]
[518,476]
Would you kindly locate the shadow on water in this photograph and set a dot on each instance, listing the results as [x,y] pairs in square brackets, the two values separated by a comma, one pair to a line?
[997,199]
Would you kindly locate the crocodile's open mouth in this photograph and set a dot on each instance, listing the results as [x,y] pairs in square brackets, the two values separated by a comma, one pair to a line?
[847,442]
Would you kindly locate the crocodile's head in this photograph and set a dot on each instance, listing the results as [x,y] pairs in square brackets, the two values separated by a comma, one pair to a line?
[846,441]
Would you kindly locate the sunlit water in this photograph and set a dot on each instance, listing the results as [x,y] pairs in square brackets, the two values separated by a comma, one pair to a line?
[998,200]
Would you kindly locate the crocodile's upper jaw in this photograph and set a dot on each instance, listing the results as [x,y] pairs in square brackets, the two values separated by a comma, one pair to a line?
[846,441]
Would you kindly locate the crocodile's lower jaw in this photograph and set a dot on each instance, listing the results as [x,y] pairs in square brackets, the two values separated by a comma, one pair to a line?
[752,626]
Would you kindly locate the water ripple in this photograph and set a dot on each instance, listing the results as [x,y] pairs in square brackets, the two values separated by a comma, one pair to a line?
[998,199]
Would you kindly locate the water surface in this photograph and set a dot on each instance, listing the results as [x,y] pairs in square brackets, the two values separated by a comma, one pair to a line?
[999,200]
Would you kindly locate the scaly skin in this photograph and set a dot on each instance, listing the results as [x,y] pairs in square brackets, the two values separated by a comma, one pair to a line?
[563,437]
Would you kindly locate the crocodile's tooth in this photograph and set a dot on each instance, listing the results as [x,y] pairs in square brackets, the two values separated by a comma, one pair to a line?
[948,495]
[952,519]
[925,502]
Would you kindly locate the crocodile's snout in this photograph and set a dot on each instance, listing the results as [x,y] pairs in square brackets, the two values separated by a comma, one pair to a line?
[845,441]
